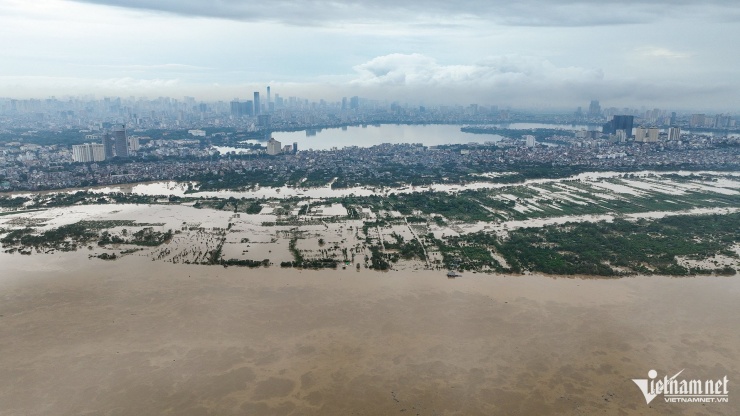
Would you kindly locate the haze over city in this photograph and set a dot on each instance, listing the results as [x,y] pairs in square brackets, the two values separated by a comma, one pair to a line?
[531,54]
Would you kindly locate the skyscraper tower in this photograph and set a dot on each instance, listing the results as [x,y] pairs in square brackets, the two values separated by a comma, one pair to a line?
[273,147]
[625,123]
[621,122]
[674,133]
[119,137]
[108,146]
[235,107]
[256,103]
[270,107]
[594,109]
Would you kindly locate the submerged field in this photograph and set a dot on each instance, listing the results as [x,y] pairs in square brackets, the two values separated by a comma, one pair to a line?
[598,224]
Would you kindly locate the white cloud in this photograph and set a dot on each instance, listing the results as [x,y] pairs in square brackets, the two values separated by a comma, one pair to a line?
[421,70]
[658,52]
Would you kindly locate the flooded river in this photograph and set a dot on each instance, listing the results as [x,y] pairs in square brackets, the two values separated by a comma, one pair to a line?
[137,337]
[728,180]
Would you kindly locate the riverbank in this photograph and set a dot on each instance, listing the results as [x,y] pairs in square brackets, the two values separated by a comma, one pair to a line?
[142,337]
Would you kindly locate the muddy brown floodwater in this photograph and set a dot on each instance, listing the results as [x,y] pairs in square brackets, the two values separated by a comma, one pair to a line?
[136,337]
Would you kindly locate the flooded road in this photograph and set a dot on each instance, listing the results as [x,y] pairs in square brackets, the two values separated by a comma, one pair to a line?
[89,337]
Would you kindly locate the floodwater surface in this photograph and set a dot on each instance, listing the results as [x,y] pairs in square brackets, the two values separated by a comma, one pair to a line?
[83,336]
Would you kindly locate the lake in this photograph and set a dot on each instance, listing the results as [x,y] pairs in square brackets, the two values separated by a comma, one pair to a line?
[426,134]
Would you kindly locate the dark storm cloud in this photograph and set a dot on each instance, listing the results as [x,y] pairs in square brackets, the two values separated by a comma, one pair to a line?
[506,12]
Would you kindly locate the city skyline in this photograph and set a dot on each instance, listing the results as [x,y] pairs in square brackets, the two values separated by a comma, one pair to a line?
[533,54]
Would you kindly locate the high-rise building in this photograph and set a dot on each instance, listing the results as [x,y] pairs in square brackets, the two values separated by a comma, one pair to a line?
[530,142]
[697,120]
[625,123]
[721,121]
[133,143]
[640,134]
[653,134]
[98,152]
[257,110]
[236,108]
[273,147]
[594,109]
[88,152]
[108,145]
[80,153]
[241,109]
[674,133]
[619,123]
[269,97]
[295,147]
[120,141]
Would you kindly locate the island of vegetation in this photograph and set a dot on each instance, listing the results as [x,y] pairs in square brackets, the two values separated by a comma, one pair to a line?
[615,224]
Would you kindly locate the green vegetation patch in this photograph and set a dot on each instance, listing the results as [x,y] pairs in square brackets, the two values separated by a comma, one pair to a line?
[462,206]
[406,249]
[311,264]
[144,237]
[66,237]
[378,261]
[471,252]
[13,202]
[604,248]
[254,208]
[245,263]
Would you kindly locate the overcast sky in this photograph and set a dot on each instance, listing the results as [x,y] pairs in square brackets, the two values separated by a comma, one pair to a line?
[671,54]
